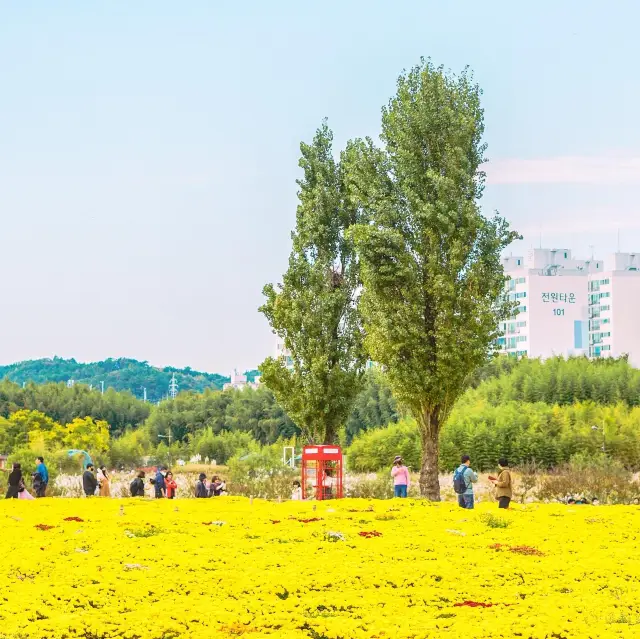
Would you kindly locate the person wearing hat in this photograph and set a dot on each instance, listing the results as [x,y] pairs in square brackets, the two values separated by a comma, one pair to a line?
[400,474]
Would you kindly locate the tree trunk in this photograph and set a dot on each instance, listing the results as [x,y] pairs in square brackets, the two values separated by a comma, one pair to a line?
[429,473]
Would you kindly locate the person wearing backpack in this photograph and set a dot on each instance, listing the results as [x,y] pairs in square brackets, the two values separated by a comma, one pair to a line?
[463,480]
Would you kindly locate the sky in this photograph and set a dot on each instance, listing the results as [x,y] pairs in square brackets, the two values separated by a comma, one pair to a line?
[149,151]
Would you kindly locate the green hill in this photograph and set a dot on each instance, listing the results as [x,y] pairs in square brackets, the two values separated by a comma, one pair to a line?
[120,374]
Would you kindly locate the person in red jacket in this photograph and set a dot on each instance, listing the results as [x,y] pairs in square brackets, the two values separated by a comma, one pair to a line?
[171,485]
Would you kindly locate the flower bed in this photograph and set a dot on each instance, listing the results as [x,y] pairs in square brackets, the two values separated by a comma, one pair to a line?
[151,570]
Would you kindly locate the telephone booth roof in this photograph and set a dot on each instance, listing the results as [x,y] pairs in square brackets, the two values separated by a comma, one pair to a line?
[321,453]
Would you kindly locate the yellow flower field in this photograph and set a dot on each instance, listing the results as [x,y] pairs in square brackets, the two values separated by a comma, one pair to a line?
[229,568]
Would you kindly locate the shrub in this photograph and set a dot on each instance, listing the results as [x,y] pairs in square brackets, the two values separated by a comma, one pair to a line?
[599,477]
[129,450]
[261,473]
[495,522]
[376,449]
[224,446]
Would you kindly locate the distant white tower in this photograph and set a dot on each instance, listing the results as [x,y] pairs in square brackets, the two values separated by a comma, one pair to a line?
[71,383]
[173,387]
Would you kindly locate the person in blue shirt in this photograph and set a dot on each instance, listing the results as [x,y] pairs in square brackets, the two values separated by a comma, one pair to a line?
[159,485]
[466,478]
[41,478]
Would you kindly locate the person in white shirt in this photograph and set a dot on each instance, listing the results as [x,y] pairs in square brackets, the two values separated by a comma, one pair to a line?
[296,494]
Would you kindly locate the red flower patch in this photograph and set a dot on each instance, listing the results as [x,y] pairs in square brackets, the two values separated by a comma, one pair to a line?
[43,527]
[309,521]
[473,604]
[73,519]
[368,534]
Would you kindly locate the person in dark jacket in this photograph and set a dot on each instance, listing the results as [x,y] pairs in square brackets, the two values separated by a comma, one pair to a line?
[15,482]
[201,489]
[137,485]
[160,485]
[89,481]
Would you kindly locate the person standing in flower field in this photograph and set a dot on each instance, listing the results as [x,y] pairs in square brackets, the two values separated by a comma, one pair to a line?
[137,485]
[40,478]
[504,491]
[216,487]
[463,480]
[171,485]
[159,485]
[15,482]
[328,484]
[89,481]
[103,482]
[296,493]
[201,488]
[400,474]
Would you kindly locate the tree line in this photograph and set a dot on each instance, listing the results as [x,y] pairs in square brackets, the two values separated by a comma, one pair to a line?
[121,374]
[494,417]
[530,411]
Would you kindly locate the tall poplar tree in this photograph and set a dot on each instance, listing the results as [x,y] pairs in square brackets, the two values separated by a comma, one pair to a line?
[314,309]
[430,261]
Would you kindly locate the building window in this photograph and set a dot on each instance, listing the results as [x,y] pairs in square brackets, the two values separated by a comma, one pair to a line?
[521,324]
[565,256]
[518,262]
[606,347]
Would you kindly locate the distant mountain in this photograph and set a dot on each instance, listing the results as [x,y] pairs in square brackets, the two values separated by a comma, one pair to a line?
[120,374]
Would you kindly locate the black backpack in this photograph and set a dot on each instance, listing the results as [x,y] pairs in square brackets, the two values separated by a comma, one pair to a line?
[134,487]
[459,482]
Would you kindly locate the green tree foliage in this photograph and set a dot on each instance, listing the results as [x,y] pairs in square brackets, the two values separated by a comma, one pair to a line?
[119,409]
[120,374]
[433,281]
[374,406]
[33,433]
[521,432]
[223,446]
[252,411]
[314,309]
[560,381]
[374,450]
[525,412]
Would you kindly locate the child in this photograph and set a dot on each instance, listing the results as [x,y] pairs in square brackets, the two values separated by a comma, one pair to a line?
[296,493]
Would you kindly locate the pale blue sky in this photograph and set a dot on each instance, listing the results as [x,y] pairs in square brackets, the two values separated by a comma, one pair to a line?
[148,150]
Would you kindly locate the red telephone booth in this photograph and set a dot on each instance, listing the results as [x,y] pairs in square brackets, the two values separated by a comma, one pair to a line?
[322,472]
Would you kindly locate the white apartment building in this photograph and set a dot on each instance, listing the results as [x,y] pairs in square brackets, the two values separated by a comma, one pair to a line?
[283,353]
[551,288]
[614,309]
[573,307]
[240,382]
